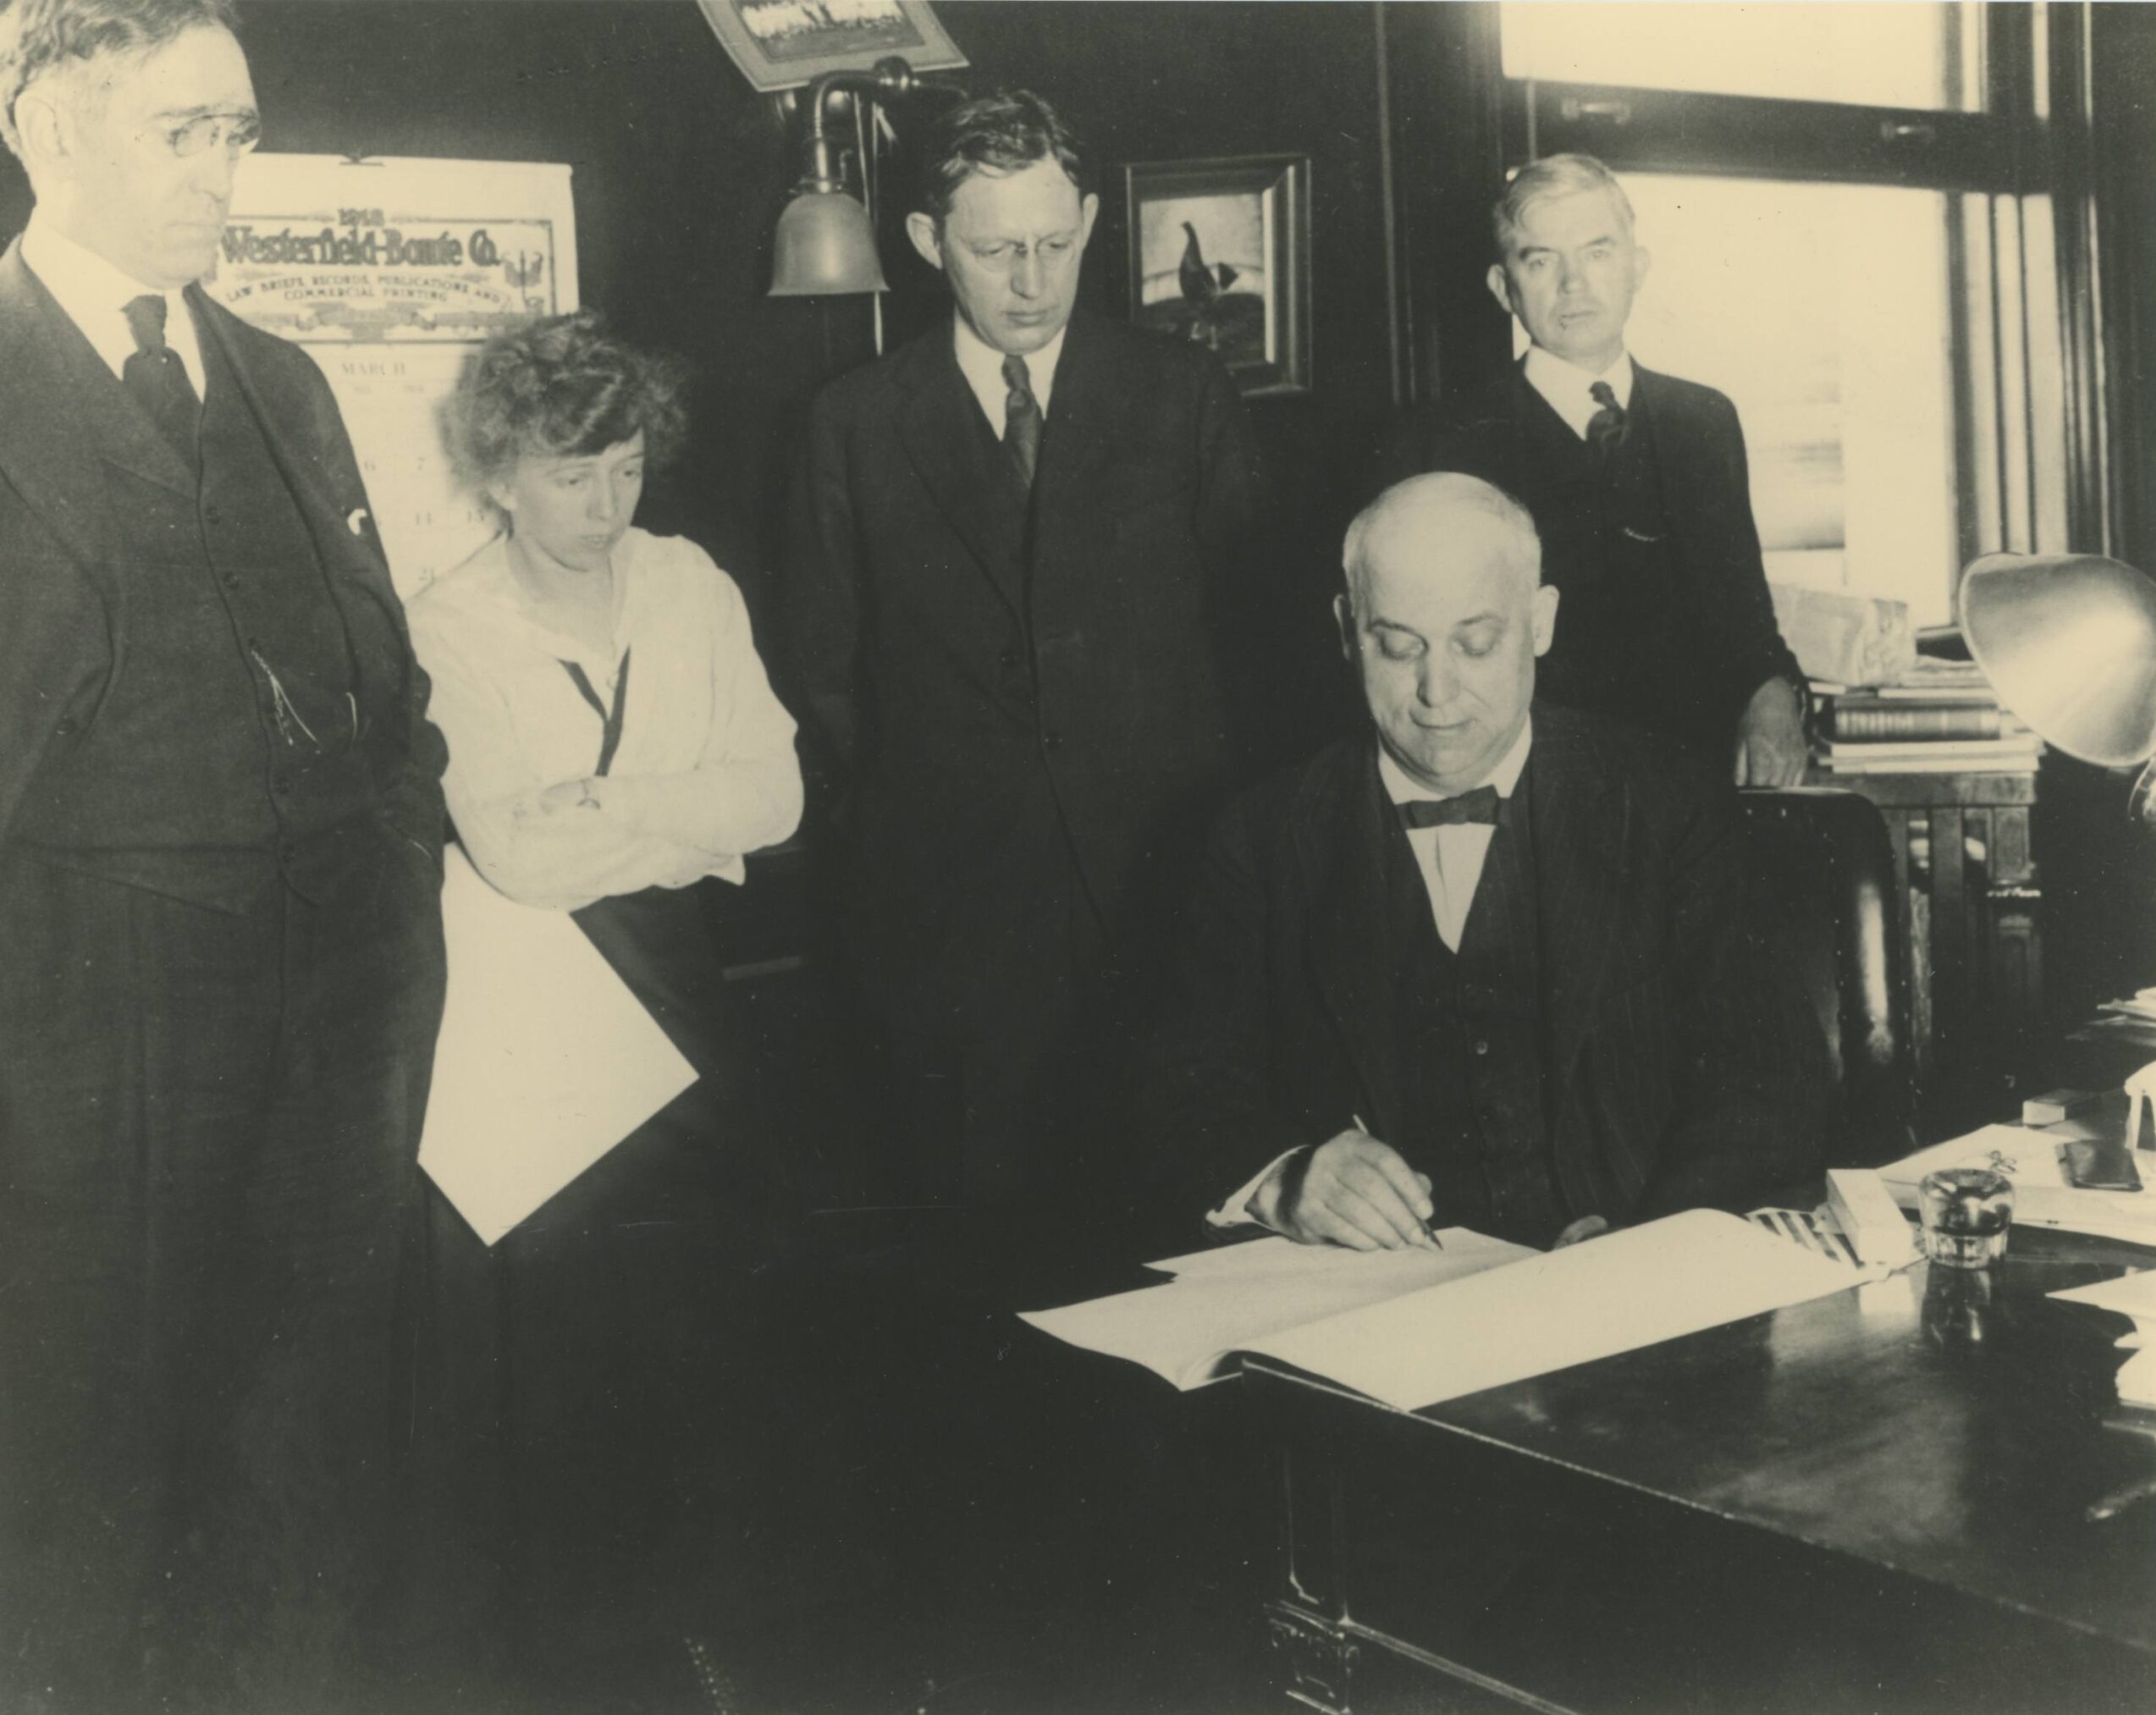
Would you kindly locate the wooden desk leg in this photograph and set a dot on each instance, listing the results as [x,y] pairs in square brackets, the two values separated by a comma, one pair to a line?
[1315,1659]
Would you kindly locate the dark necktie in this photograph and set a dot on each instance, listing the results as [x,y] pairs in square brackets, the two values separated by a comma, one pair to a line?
[1020,419]
[158,377]
[1479,805]
[1605,427]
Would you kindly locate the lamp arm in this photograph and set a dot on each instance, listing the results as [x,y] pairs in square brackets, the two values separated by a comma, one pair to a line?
[891,78]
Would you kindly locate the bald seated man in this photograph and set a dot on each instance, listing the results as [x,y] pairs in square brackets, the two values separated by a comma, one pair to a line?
[1484,964]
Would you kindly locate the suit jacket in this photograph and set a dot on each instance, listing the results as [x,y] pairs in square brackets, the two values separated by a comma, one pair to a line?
[66,588]
[1706,501]
[1006,691]
[1678,1072]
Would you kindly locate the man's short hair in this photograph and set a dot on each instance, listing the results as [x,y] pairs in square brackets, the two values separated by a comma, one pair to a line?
[1007,132]
[1455,489]
[38,37]
[1554,175]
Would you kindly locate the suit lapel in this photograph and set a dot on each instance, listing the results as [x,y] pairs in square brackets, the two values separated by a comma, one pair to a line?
[1341,822]
[334,535]
[939,425]
[1580,841]
[1081,433]
[68,416]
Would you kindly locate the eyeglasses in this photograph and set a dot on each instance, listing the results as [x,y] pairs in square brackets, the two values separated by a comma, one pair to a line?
[237,132]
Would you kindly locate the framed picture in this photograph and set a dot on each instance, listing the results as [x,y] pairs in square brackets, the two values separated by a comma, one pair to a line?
[1219,252]
[783,44]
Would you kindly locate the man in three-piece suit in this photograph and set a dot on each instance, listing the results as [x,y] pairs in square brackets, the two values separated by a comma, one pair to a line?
[1638,484]
[1009,607]
[220,826]
[1486,966]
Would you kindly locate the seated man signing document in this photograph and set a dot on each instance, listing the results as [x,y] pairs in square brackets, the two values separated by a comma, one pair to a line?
[1486,965]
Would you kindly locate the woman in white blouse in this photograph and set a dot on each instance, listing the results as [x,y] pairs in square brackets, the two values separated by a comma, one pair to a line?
[615,751]
[614,746]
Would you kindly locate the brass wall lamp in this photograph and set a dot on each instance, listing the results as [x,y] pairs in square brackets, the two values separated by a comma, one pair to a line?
[826,240]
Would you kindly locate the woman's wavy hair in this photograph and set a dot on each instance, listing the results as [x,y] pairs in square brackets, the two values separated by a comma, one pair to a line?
[561,388]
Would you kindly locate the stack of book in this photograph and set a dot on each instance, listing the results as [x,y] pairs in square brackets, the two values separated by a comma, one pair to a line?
[1941,717]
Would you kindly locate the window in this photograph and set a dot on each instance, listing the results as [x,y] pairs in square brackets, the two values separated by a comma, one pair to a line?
[1899,56]
[1851,238]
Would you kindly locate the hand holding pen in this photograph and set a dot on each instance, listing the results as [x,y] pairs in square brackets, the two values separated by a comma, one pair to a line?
[1355,1191]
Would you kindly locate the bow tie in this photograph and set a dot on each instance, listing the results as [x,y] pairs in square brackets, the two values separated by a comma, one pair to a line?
[1479,805]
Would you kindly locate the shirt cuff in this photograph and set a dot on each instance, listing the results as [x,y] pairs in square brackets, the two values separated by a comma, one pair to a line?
[1258,1201]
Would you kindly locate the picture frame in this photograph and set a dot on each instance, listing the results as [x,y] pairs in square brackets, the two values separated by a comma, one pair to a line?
[1219,252]
[785,44]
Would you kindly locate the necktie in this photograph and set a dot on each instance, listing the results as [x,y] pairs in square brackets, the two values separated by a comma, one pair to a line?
[1479,805]
[1605,427]
[158,377]
[1020,419]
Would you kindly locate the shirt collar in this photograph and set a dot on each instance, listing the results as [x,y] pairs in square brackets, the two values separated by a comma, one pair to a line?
[1402,789]
[982,365]
[95,295]
[1569,389]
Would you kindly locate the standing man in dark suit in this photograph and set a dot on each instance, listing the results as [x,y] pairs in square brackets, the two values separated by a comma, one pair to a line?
[220,827]
[1484,967]
[1637,481]
[1013,577]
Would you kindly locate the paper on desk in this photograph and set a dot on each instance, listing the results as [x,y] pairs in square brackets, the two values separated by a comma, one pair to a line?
[545,1061]
[2129,1295]
[2043,1196]
[1182,1329]
[1631,1288]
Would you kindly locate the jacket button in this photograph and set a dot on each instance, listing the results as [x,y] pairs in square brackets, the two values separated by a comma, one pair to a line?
[283,788]
[64,726]
[288,853]
[232,580]
[212,515]
[1050,741]
[1481,1046]
[1008,659]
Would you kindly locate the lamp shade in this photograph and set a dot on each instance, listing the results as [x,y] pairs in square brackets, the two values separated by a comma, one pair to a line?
[824,246]
[2069,643]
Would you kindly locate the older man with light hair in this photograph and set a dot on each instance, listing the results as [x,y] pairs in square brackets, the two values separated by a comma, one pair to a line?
[1483,965]
[220,829]
[1637,481]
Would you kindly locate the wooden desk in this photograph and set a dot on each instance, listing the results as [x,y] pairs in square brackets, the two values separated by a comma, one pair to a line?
[1872,1503]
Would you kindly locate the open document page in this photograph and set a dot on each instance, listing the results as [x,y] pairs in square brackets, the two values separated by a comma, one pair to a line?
[1225,1299]
[1632,1288]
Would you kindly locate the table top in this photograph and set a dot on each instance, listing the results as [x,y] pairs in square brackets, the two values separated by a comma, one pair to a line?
[1958,1428]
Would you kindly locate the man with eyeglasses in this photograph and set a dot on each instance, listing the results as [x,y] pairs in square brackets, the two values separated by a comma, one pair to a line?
[1019,580]
[220,826]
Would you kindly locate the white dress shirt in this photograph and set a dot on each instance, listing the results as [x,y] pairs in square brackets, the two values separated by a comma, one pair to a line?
[705,770]
[1450,857]
[982,365]
[1569,389]
[95,295]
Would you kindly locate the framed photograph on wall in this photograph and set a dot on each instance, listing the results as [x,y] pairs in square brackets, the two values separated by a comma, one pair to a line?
[1220,253]
[783,44]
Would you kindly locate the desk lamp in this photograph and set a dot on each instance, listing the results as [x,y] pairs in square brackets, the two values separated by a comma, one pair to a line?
[2069,643]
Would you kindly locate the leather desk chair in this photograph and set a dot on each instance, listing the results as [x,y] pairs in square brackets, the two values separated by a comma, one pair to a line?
[1824,899]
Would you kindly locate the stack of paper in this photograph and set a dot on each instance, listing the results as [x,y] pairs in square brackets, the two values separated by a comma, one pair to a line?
[545,1061]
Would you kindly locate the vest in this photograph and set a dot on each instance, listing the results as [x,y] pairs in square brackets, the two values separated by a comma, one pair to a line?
[1629,641]
[1472,1042]
[227,753]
